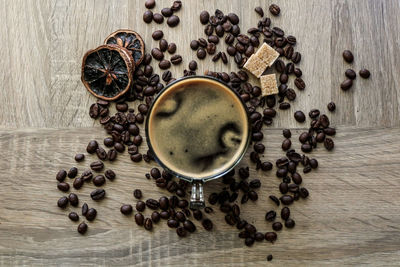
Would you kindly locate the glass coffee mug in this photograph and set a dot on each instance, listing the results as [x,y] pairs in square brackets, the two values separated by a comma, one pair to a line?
[198,130]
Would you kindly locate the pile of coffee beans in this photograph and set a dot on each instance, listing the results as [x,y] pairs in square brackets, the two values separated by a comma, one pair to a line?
[350,73]
[167,12]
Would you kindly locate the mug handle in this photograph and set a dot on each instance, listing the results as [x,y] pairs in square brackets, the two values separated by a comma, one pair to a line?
[197,197]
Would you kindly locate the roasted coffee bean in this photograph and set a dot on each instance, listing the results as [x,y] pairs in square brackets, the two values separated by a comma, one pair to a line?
[150,4]
[139,219]
[157,54]
[73,216]
[269,112]
[330,131]
[284,105]
[189,226]
[299,116]
[211,48]
[78,183]
[147,16]
[286,144]
[209,29]
[307,169]
[164,64]
[204,17]
[194,44]
[155,216]
[176,5]
[290,223]
[306,148]
[137,193]
[167,12]
[97,165]
[253,195]
[163,44]
[176,59]
[244,199]
[148,224]
[62,202]
[98,194]
[329,144]
[101,153]
[139,118]
[292,166]
[283,188]
[287,133]
[193,65]
[201,53]
[229,39]
[92,146]
[233,18]
[259,148]
[285,213]
[348,56]
[99,180]
[126,209]
[277,226]
[259,237]
[158,18]
[157,35]
[207,224]
[61,175]
[140,206]
[79,157]
[296,178]
[91,214]
[221,29]
[303,138]
[278,31]
[270,216]
[82,228]
[297,72]
[163,203]
[171,48]
[314,113]
[279,66]
[251,229]
[331,106]
[73,199]
[304,192]
[293,188]
[286,199]
[351,74]
[249,241]
[180,216]
[213,198]
[259,11]
[152,204]
[63,186]
[173,21]
[300,84]
[110,174]
[230,219]
[346,85]
[274,9]
[266,166]
[320,137]
[274,199]
[296,58]
[155,173]
[271,236]
[108,142]
[364,73]
[181,231]
[197,214]
[94,111]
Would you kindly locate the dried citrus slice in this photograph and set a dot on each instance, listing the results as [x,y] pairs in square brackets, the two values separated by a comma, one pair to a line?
[107,71]
[130,40]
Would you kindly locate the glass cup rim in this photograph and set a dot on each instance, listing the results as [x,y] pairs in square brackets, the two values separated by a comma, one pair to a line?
[180,176]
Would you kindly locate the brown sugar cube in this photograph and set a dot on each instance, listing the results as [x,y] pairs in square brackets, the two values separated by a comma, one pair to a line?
[267,54]
[255,65]
[268,85]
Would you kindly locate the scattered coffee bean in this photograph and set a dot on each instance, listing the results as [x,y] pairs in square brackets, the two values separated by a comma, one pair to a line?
[147,16]
[249,241]
[300,84]
[91,214]
[364,73]
[158,18]
[152,204]
[290,223]
[82,228]
[79,157]
[270,216]
[150,4]
[346,85]
[97,165]
[176,5]
[329,144]
[176,59]
[348,56]
[274,9]
[137,193]
[63,186]
[61,175]
[259,11]
[181,231]
[204,17]
[99,180]
[92,146]
[73,216]
[157,35]
[164,64]
[331,106]
[62,202]
[207,224]
[148,224]
[285,213]
[271,236]
[201,53]
[274,199]
[139,219]
[98,194]
[299,116]
[284,105]
[110,174]
[286,199]
[126,209]
[277,226]
[167,12]
[351,74]
[173,21]
[286,144]
[287,133]
[73,199]
[157,54]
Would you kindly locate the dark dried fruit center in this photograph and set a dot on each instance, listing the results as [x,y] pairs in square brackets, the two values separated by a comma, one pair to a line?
[130,42]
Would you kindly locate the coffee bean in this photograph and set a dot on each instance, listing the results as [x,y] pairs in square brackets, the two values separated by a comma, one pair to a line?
[201,53]
[296,177]
[183,203]
[351,74]
[274,199]
[101,153]
[99,180]
[176,5]
[207,224]
[233,18]
[73,216]
[91,214]
[286,144]
[197,214]
[147,16]
[108,142]
[82,228]
[98,194]
[63,186]
[329,144]
[285,213]
[283,188]
[296,57]
[204,17]
[193,65]
[277,226]
[137,193]
[271,236]
[173,21]
[284,105]
[73,199]
[140,206]
[307,169]
[139,219]
[346,84]
[126,209]
[176,59]
[61,175]
[189,226]
[150,4]
[306,148]
[164,64]
[274,9]
[97,165]
[300,84]
[287,133]
[62,202]
[299,116]
[167,12]
[152,204]
[364,73]
[110,174]
[348,56]
[194,44]
[157,54]
[79,157]
[253,195]
[148,224]
[286,199]
[266,166]
[303,138]
[331,106]
[251,229]
[171,48]
[92,146]
[289,223]
[158,18]
[259,11]
[163,203]
[270,216]
[157,35]
[320,137]
[249,241]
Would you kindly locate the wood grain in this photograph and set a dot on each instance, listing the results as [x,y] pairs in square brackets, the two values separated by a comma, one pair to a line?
[352,216]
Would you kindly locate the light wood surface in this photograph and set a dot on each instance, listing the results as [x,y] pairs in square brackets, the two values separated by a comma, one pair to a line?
[352,216]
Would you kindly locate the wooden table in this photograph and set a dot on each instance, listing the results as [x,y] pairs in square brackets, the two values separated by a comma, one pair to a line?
[352,216]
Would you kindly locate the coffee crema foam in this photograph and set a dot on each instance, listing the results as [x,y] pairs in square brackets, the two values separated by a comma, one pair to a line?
[198,128]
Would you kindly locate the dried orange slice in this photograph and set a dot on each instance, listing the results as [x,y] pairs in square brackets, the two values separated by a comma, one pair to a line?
[130,40]
[107,71]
